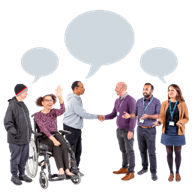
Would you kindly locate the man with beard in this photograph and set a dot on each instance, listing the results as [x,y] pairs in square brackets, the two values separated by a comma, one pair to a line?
[147,110]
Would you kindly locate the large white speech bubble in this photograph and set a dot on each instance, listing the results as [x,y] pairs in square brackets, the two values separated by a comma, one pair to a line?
[99,38]
[158,62]
[39,62]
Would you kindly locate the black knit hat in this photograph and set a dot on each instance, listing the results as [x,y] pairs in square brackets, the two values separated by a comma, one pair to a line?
[19,89]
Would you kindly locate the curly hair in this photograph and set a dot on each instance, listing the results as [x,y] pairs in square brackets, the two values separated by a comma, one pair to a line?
[179,97]
[40,99]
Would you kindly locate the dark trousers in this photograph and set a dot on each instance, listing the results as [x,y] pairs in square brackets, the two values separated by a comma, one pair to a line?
[19,157]
[126,147]
[75,141]
[60,153]
[146,141]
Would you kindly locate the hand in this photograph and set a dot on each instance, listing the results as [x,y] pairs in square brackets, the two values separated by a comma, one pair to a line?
[56,142]
[126,115]
[155,124]
[179,124]
[144,117]
[101,118]
[59,91]
[129,135]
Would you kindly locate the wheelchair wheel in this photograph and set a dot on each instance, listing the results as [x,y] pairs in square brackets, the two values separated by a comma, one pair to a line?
[43,180]
[32,163]
[78,180]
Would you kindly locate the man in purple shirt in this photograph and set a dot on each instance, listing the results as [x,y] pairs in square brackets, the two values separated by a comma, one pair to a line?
[147,109]
[125,103]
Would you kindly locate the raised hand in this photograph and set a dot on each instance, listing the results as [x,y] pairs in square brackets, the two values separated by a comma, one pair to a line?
[144,117]
[59,91]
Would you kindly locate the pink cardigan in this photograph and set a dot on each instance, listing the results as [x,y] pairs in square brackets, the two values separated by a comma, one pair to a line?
[48,122]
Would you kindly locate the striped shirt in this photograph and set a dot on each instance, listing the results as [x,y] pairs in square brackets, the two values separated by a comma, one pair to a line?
[153,108]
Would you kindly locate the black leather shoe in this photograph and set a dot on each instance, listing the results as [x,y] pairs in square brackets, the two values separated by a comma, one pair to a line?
[25,178]
[61,177]
[142,171]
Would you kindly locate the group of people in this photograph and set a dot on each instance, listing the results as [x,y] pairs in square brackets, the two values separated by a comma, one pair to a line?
[173,114]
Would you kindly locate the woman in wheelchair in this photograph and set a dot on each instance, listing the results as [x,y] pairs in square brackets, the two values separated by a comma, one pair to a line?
[46,119]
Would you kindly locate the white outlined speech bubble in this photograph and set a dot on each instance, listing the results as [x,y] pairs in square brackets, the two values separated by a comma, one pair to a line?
[99,38]
[39,62]
[158,62]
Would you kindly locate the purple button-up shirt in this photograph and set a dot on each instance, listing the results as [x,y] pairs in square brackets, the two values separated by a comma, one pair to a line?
[153,108]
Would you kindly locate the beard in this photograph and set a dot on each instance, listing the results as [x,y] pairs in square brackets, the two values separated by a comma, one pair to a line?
[147,95]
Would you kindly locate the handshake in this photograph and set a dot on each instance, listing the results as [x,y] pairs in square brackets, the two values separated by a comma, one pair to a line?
[101,118]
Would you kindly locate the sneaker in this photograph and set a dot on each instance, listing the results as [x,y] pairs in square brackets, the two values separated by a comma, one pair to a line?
[25,179]
[142,171]
[16,181]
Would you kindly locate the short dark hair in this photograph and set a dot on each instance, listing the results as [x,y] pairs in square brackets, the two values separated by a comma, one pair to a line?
[75,84]
[152,87]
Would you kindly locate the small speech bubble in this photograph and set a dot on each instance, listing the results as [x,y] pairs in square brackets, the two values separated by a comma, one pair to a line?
[158,62]
[39,62]
[99,38]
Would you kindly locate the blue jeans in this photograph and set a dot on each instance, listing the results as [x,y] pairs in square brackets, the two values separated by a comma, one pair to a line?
[126,147]
[146,141]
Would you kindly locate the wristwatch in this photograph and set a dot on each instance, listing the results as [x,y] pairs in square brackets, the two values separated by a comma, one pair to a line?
[159,122]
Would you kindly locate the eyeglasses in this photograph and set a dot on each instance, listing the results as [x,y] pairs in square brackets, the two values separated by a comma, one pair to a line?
[49,100]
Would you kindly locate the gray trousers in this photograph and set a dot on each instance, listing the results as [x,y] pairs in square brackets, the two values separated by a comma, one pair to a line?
[126,147]
[146,141]
[19,157]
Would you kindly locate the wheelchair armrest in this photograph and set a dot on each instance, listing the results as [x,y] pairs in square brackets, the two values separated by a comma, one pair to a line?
[64,132]
[37,134]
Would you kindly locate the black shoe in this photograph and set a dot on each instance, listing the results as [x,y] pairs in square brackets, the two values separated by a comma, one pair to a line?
[25,179]
[72,176]
[61,177]
[142,171]
[16,181]
[154,177]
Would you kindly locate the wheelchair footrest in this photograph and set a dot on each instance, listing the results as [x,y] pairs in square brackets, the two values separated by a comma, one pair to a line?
[55,177]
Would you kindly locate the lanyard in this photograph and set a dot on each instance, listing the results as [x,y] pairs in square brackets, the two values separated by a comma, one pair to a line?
[121,104]
[172,112]
[147,105]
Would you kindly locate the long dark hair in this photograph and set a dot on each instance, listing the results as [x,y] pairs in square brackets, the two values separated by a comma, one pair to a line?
[179,97]
[40,99]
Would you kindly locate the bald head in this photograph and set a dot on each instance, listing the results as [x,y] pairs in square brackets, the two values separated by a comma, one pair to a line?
[121,88]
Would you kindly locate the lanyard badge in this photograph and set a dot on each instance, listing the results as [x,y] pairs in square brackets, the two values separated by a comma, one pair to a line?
[142,120]
[172,123]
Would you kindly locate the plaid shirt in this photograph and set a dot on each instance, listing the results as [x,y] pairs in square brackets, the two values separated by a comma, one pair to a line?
[153,108]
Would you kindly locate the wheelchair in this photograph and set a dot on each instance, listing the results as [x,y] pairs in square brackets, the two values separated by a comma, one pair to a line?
[37,149]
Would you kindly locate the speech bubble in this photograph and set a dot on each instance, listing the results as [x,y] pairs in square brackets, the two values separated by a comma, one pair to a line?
[39,62]
[99,38]
[158,62]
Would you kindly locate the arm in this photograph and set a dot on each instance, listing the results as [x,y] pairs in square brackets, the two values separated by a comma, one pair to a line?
[133,115]
[112,114]
[42,126]
[185,118]
[79,110]
[60,111]
[161,117]
[132,121]
[154,116]
[9,121]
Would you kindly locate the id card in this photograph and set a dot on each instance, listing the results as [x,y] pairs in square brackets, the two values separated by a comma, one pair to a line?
[118,113]
[141,120]
[171,123]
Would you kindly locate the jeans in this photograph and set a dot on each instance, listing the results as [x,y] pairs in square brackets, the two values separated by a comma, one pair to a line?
[126,147]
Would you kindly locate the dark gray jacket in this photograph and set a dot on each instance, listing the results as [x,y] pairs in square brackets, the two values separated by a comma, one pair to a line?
[17,123]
